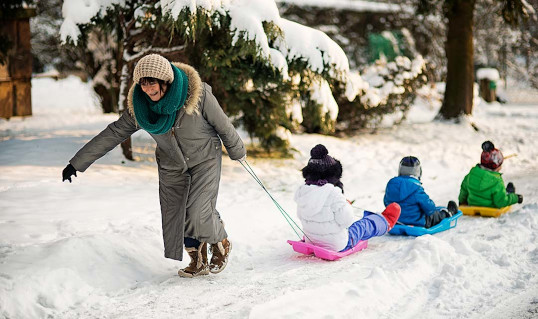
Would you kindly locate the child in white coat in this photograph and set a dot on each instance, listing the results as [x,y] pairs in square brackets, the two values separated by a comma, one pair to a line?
[327,217]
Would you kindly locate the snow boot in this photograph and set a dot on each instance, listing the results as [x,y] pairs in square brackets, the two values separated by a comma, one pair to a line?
[219,256]
[452,208]
[198,265]
[391,214]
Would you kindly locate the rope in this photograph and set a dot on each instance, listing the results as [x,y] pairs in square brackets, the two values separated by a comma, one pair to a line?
[357,207]
[282,211]
[397,222]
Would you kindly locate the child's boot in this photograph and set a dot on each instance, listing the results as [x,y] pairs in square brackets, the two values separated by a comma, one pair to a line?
[391,214]
[452,208]
[198,265]
[219,255]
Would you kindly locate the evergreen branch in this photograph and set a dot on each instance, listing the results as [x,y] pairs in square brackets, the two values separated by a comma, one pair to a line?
[138,55]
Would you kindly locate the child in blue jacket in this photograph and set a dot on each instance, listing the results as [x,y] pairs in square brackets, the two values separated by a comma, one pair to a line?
[416,206]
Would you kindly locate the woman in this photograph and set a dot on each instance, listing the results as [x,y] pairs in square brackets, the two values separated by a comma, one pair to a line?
[178,110]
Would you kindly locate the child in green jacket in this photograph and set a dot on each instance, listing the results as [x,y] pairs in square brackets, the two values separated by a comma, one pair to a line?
[484,185]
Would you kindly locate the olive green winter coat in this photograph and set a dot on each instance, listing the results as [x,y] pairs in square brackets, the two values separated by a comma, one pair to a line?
[483,187]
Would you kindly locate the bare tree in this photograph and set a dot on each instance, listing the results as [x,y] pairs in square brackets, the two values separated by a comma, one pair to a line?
[459,48]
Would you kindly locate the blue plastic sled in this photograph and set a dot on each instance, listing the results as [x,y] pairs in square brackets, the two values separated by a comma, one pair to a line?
[409,230]
[308,249]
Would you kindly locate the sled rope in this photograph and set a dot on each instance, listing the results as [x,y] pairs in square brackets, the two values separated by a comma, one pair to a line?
[364,209]
[282,211]
[356,207]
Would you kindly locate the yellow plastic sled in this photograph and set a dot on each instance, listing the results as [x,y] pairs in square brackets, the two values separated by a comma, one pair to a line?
[484,211]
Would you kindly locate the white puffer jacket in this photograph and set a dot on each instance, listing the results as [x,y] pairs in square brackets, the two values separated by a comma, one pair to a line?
[325,215]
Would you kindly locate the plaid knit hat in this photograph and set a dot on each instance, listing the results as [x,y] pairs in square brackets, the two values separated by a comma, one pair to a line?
[153,66]
[410,166]
[491,157]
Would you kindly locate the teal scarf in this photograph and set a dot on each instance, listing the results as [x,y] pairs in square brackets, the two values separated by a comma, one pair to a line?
[158,117]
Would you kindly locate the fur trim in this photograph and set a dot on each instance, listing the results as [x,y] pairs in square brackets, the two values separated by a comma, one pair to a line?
[195,87]
[199,261]
[221,248]
[194,92]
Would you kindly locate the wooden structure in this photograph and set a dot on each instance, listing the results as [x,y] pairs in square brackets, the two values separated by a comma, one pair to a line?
[487,78]
[16,74]
[487,90]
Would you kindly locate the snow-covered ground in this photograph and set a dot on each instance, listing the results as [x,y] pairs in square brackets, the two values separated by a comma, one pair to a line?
[93,248]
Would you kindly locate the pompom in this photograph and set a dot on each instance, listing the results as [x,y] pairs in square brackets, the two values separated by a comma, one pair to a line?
[319,151]
[487,146]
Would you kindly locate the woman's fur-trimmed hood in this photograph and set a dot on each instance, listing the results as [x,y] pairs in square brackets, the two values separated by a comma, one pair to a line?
[193,95]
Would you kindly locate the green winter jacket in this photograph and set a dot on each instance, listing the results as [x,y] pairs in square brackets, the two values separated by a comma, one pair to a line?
[482,187]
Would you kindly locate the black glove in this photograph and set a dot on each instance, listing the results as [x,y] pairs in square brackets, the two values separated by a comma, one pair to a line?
[510,188]
[519,198]
[68,171]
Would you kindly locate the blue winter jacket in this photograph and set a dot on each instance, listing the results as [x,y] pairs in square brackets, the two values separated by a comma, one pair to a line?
[408,192]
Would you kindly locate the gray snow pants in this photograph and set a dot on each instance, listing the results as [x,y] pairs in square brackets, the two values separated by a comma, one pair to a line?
[436,218]
[188,203]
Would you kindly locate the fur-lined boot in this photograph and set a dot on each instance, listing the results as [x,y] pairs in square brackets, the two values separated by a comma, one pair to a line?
[198,265]
[219,256]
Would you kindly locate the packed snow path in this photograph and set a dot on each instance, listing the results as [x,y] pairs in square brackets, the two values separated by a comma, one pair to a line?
[93,248]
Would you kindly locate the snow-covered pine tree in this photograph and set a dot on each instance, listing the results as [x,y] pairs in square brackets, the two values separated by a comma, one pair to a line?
[372,90]
[253,59]
[385,87]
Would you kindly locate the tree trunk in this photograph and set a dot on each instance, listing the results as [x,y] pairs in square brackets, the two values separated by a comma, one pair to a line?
[458,97]
[127,150]
[108,97]
[126,76]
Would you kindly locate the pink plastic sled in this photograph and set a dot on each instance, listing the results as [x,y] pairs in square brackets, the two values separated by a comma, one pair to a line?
[307,249]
